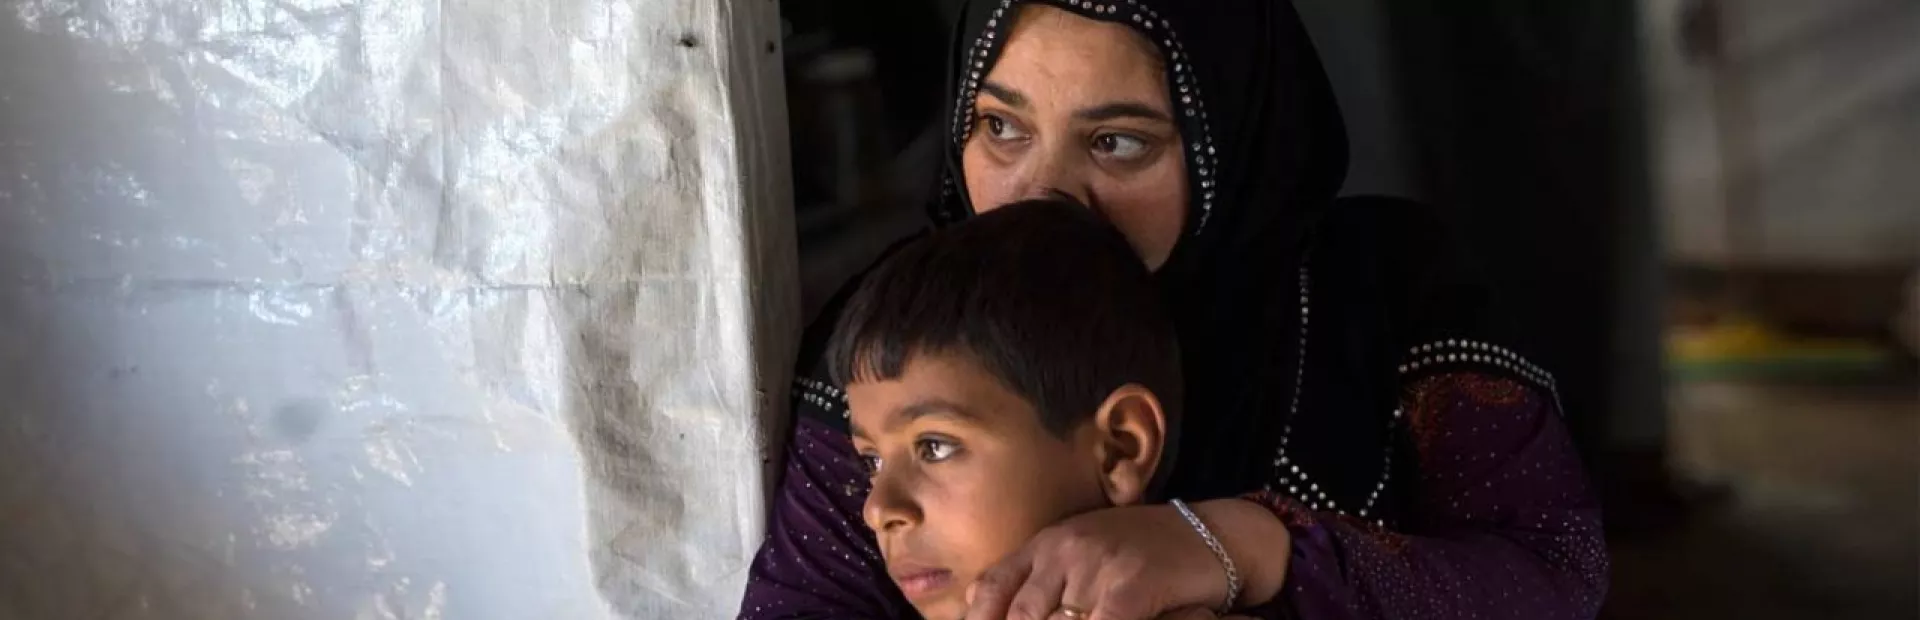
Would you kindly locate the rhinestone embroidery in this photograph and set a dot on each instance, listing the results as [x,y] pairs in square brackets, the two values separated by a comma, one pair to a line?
[821,394]
[1461,351]
[1287,472]
[1386,470]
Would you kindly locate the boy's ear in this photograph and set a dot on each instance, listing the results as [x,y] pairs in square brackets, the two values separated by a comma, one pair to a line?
[1132,430]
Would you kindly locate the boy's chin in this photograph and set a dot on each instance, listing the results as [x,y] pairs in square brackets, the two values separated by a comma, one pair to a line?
[946,608]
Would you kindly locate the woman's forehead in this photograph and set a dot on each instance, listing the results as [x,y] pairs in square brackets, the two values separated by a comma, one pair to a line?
[1054,58]
[1075,34]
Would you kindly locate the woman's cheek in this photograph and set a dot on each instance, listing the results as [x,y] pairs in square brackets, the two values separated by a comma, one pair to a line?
[1163,211]
[988,181]
[1150,216]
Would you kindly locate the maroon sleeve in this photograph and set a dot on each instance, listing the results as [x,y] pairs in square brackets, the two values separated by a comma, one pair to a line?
[1502,523]
[819,559]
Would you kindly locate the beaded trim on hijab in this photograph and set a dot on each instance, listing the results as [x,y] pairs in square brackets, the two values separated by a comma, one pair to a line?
[1288,477]
[1202,157]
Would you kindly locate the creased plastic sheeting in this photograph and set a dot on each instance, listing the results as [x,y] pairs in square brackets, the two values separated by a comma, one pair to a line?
[387,309]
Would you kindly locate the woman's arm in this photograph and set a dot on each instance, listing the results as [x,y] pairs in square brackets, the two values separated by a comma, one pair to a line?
[819,559]
[1502,524]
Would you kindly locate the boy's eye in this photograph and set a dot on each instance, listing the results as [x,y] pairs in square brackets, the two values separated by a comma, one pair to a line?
[870,463]
[935,450]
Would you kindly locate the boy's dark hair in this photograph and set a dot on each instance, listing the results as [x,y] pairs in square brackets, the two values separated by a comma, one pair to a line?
[1042,294]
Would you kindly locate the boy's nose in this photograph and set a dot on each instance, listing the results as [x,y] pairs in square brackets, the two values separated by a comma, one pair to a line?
[888,506]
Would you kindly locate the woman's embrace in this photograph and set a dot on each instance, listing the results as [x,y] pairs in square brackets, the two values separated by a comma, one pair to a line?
[1356,438]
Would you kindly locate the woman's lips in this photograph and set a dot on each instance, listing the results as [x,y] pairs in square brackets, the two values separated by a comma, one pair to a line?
[920,583]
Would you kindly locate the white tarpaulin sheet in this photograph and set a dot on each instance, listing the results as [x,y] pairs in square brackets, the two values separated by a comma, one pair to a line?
[388,309]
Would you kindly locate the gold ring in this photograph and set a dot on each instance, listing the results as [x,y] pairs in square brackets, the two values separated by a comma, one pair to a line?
[1073,613]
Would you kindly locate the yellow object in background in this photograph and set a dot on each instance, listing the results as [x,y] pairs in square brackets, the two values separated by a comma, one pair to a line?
[1743,346]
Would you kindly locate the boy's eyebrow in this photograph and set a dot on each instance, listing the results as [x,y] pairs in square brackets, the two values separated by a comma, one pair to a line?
[930,406]
[915,410]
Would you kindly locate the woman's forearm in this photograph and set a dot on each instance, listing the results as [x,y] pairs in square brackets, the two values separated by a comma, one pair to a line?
[1256,540]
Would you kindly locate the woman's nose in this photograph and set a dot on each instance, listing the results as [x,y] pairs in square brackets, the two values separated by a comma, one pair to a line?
[889,506]
[1057,174]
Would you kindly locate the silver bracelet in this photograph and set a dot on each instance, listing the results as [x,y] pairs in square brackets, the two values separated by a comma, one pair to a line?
[1220,552]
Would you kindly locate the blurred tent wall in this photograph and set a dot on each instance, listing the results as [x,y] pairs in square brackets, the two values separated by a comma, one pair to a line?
[1789,136]
[1790,130]
[386,309]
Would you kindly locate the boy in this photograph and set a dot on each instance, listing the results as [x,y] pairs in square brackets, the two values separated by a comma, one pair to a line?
[1003,375]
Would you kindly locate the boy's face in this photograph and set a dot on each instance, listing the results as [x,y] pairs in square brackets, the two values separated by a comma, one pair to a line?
[963,474]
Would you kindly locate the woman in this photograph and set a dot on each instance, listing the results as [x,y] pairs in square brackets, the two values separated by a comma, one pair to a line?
[1362,447]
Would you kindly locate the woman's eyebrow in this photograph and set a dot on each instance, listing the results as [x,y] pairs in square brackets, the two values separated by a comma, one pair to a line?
[1009,96]
[1121,109]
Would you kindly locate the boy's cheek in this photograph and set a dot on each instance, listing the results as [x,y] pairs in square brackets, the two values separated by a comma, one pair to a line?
[985,509]
[987,536]
[974,541]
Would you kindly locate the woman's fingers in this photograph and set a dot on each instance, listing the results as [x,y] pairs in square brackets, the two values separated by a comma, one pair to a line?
[1122,595]
[1080,590]
[1051,579]
[1110,565]
[1040,595]
[992,594]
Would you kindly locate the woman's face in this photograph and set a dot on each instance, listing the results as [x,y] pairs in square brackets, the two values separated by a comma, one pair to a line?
[1076,107]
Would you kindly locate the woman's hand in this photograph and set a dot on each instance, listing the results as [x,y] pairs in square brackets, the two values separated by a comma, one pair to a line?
[1135,563]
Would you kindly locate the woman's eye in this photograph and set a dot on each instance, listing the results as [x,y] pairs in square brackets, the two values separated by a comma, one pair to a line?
[1120,146]
[870,463]
[999,129]
[935,450]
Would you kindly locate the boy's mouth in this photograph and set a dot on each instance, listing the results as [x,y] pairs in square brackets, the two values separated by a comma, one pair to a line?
[919,582]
